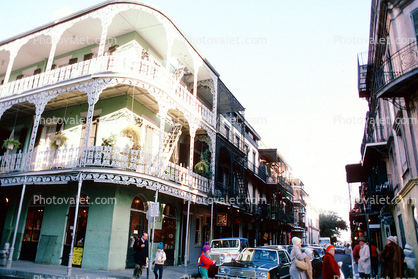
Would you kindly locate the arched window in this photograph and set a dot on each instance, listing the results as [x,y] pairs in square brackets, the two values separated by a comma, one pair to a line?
[138,204]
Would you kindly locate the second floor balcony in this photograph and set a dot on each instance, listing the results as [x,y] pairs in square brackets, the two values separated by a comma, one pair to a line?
[108,157]
[397,75]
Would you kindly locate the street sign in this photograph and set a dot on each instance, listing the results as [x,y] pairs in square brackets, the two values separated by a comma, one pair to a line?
[153,210]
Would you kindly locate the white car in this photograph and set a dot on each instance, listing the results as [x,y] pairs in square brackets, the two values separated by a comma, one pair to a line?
[224,250]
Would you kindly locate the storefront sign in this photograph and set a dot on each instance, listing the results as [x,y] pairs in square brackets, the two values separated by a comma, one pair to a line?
[77,255]
[222,219]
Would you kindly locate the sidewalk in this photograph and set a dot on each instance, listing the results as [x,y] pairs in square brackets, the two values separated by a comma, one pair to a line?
[355,267]
[27,269]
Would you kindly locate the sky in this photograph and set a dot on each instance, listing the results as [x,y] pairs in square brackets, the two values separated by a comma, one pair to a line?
[291,64]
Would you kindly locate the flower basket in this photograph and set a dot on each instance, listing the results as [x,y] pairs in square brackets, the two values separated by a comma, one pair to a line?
[201,168]
[10,144]
[58,140]
[132,133]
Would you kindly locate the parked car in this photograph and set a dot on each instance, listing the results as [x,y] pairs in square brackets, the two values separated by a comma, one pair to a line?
[339,249]
[316,261]
[224,250]
[320,250]
[259,262]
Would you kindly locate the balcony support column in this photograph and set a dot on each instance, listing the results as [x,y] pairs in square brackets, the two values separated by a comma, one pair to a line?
[192,139]
[19,211]
[13,53]
[74,230]
[196,72]
[57,32]
[106,21]
[170,40]
[93,92]
[212,146]
[163,115]
[40,101]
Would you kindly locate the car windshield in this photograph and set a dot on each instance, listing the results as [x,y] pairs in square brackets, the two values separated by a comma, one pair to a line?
[257,255]
[230,243]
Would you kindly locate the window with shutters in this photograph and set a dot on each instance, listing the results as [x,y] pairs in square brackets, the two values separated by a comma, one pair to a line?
[198,232]
[93,131]
[415,21]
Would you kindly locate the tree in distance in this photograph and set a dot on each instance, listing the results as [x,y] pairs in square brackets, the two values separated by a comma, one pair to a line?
[330,224]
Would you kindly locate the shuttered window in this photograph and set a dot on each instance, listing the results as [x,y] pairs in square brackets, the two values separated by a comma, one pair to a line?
[415,19]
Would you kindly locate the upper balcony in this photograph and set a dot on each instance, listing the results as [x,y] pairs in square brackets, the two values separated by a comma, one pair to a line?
[111,66]
[364,75]
[232,134]
[258,171]
[397,75]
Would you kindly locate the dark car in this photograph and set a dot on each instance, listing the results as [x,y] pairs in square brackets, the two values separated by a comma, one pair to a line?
[320,250]
[316,262]
[259,262]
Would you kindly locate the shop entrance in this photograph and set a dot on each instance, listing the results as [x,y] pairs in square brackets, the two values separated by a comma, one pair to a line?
[138,224]
[168,233]
[32,231]
[80,234]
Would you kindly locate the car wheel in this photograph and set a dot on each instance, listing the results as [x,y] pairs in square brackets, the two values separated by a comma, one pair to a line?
[274,276]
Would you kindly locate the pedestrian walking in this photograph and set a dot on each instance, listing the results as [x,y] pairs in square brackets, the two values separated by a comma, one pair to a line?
[330,268]
[410,261]
[374,258]
[356,252]
[364,262]
[309,254]
[140,255]
[392,259]
[205,262]
[297,255]
[160,258]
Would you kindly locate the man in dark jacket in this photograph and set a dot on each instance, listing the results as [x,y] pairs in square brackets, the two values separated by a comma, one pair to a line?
[140,255]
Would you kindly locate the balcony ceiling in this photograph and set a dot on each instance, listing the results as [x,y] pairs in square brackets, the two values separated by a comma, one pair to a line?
[86,33]
[76,97]
[374,152]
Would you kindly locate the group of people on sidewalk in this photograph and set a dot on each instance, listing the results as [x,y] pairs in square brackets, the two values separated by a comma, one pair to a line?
[395,263]
[141,257]
[330,267]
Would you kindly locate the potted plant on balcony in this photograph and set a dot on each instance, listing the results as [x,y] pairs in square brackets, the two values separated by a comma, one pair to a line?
[132,133]
[10,144]
[109,141]
[59,139]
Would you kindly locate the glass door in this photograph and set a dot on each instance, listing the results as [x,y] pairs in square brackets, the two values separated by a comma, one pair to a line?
[32,232]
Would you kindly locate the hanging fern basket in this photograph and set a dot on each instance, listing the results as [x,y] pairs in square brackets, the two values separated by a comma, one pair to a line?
[58,140]
[10,144]
[132,133]
[201,168]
